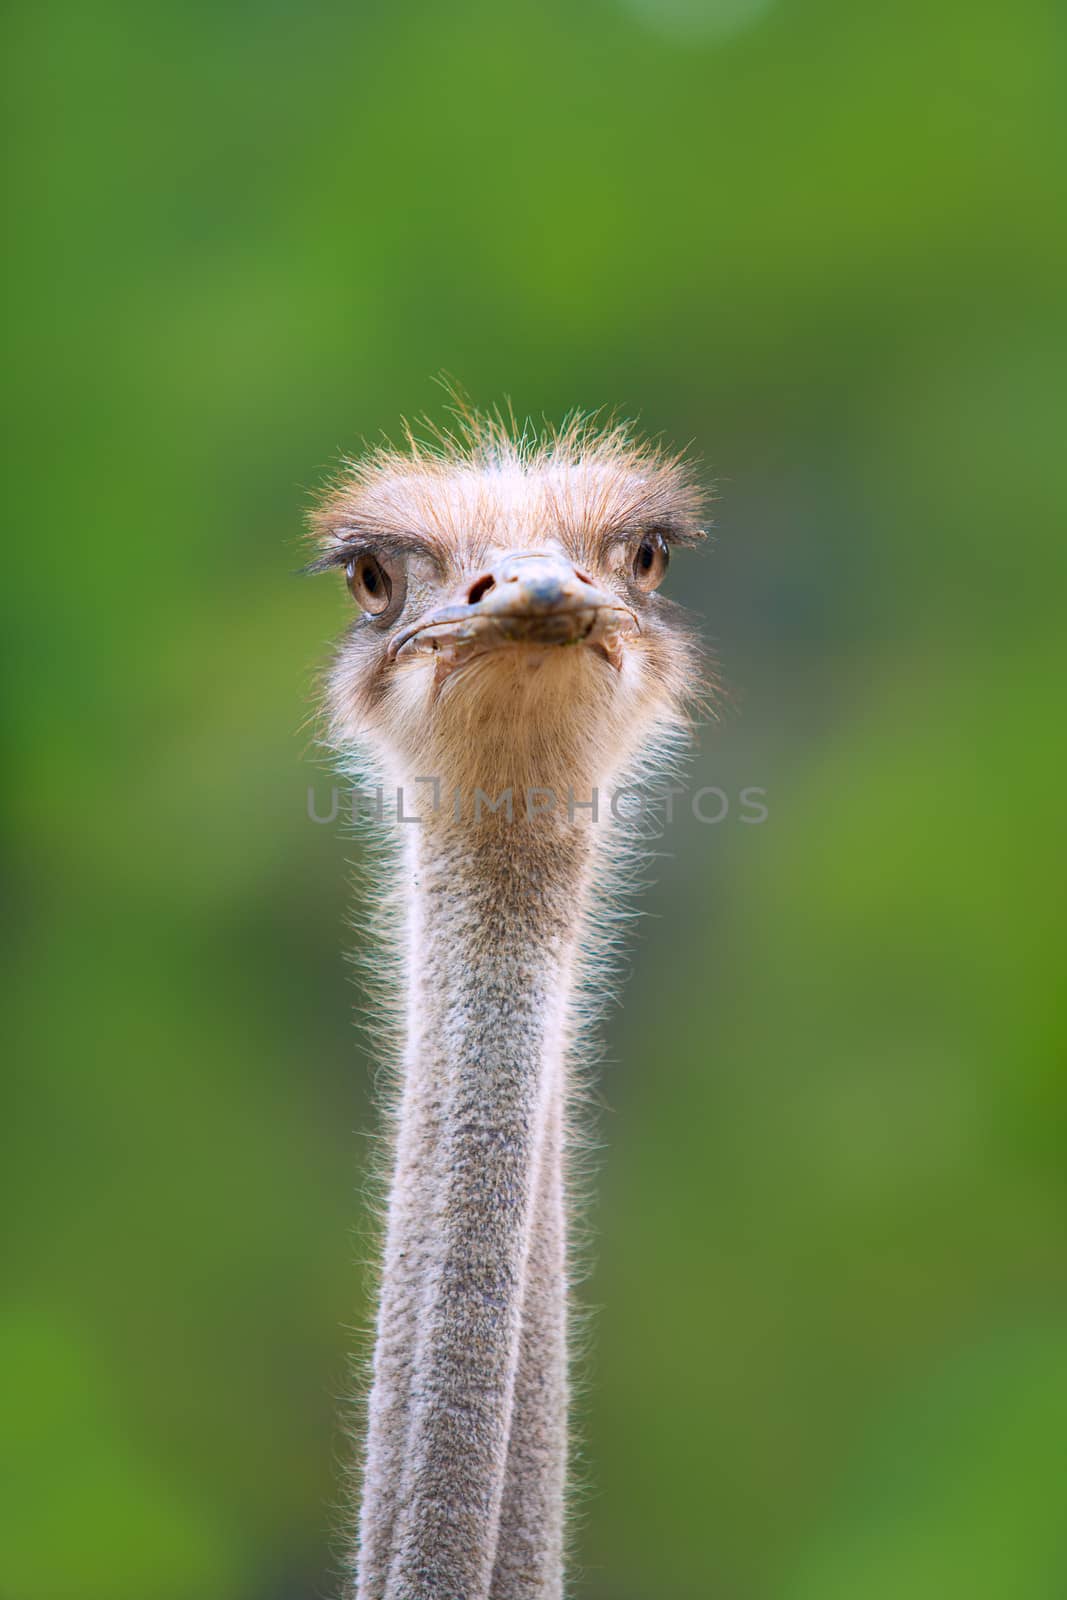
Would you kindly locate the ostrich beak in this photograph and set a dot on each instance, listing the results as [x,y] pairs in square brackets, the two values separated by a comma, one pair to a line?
[530,598]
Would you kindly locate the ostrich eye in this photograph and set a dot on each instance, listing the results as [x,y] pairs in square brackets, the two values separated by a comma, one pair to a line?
[375,589]
[650,561]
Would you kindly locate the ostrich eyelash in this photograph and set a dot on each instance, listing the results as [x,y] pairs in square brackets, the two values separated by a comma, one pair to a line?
[334,558]
[385,544]
[672,533]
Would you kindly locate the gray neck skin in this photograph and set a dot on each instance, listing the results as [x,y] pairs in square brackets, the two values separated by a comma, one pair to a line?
[466,1449]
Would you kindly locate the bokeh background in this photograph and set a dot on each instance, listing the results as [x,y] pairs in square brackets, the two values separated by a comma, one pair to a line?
[825,243]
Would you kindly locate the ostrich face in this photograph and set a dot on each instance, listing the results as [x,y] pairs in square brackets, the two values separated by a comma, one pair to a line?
[508,626]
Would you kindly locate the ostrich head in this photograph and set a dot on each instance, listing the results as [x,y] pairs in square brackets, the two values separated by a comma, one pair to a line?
[509,627]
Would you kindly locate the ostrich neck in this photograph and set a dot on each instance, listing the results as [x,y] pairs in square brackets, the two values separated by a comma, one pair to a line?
[465,1462]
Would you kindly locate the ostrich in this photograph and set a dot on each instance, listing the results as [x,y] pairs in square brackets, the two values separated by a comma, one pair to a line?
[510,669]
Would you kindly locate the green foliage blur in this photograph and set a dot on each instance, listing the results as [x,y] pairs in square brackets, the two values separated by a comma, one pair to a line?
[826,243]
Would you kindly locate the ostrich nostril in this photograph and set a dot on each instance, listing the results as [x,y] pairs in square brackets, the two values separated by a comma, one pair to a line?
[480,588]
[583,577]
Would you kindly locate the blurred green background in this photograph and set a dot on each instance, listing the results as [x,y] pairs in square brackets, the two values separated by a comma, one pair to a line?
[824,242]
